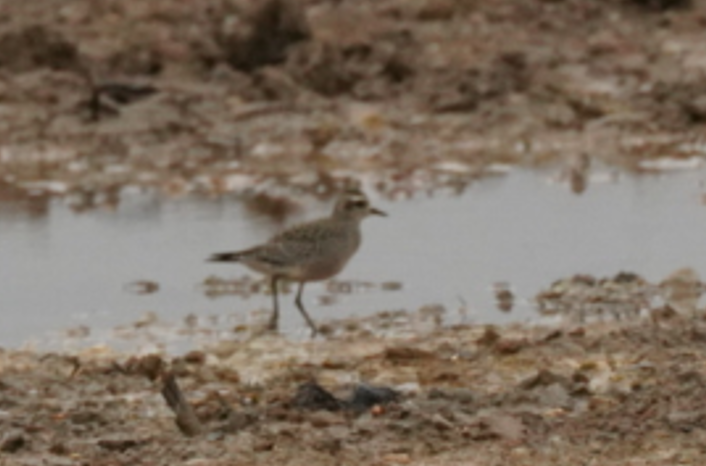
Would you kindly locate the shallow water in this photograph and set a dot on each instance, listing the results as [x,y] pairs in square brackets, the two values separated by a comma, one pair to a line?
[64,269]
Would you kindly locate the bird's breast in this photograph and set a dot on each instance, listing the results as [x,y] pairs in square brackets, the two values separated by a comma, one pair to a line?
[330,262]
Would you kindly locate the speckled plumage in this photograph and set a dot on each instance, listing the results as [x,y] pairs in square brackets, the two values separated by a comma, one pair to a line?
[311,251]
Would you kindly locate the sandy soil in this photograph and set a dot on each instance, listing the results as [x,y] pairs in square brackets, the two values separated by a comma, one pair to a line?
[265,99]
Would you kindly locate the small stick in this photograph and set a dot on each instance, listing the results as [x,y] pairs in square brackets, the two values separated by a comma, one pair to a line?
[186,419]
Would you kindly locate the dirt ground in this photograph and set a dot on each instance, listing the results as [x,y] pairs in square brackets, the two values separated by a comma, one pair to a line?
[609,394]
[261,100]
[217,97]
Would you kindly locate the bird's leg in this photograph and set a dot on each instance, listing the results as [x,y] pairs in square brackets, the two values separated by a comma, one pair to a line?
[274,319]
[308,319]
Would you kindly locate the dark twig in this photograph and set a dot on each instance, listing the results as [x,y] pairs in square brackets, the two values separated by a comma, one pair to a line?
[186,419]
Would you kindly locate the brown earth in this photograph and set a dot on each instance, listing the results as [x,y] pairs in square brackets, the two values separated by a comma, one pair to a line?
[219,97]
[613,394]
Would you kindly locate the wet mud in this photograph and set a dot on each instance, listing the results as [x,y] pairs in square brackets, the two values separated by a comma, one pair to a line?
[283,96]
[619,393]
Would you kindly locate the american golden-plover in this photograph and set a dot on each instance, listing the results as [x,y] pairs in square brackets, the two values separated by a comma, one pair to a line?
[311,251]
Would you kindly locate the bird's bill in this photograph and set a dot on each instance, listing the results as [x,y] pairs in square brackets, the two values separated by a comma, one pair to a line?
[374,211]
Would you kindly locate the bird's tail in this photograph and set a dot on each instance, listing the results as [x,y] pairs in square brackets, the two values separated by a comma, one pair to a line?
[226,257]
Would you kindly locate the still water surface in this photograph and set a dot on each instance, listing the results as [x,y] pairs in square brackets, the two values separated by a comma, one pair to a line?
[65,269]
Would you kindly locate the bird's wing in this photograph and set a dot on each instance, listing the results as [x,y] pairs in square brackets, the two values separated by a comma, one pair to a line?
[297,243]
[293,246]
[281,254]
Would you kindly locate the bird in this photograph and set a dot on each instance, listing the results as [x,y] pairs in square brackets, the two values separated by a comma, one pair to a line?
[308,252]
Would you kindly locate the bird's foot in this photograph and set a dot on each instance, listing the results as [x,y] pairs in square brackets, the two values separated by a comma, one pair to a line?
[314,332]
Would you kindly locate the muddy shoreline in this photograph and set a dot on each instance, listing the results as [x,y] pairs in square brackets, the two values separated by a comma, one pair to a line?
[264,101]
[420,95]
[616,393]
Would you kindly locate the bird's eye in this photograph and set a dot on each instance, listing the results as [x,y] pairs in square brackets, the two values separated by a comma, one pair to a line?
[357,205]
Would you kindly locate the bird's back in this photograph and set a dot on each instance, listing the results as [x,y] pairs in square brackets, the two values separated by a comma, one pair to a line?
[312,251]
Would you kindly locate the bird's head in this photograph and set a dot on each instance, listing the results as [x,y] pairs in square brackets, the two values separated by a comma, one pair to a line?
[354,204]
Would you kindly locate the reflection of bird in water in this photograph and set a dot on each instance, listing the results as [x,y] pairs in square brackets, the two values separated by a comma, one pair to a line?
[311,251]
